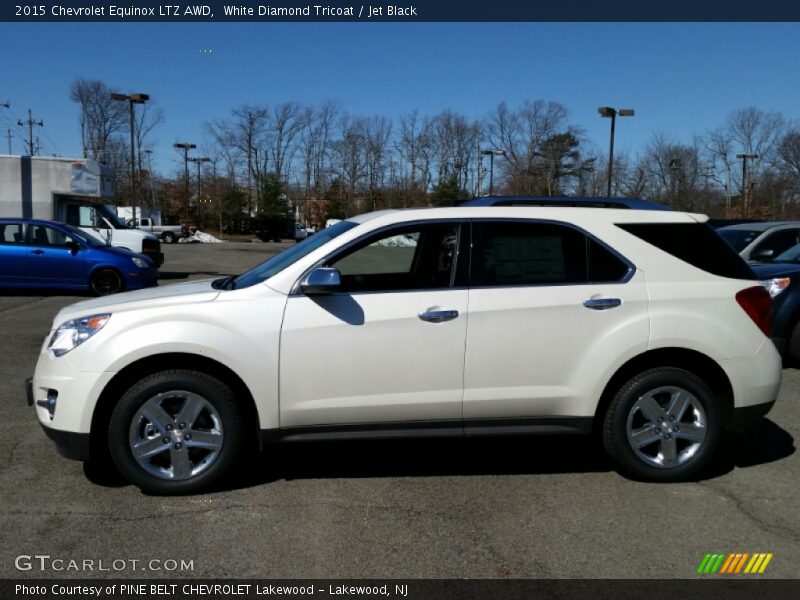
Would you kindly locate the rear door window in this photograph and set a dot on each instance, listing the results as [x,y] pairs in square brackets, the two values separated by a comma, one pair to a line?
[775,243]
[520,253]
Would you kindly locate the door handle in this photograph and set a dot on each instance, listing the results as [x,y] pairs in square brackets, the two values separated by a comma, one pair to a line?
[438,316]
[602,303]
[37,251]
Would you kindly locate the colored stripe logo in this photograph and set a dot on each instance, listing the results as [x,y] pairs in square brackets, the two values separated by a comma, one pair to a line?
[734,563]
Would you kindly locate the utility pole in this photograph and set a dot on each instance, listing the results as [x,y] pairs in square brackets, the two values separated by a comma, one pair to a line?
[150,177]
[8,134]
[30,123]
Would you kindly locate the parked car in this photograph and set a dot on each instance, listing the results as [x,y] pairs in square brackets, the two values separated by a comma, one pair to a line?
[761,240]
[46,254]
[642,325]
[276,229]
[781,278]
[169,234]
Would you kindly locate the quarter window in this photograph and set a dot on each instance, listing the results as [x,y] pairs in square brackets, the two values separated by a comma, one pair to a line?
[11,233]
[418,257]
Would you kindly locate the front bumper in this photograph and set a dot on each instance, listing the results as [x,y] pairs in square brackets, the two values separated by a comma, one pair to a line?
[144,278]
[156,257]
[69,444]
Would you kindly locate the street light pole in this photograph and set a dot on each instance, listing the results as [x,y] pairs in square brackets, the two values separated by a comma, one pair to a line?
[198,161]
[674,165]
[132,99]
[185,146]
[608,111]
[491,154]
[745,205]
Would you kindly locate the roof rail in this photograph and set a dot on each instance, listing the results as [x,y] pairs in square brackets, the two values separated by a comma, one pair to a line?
[577,201]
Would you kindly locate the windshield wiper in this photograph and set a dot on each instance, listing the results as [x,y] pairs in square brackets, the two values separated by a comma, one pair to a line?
[224,283]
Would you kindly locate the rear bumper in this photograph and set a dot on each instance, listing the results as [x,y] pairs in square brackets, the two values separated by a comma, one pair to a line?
[755,380]
[745,416]
[780,345]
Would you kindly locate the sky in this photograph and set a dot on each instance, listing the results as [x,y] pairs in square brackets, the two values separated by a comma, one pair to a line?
[682,79]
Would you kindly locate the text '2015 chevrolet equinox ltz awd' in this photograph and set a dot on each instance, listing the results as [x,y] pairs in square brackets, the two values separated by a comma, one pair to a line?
[643,325]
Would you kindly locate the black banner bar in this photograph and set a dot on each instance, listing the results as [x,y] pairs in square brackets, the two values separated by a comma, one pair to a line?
[410,11]
[728,587]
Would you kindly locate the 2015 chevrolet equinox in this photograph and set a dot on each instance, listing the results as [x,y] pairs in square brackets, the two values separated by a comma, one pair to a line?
[448,321]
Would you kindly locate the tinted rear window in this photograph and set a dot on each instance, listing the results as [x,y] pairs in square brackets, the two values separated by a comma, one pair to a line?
[694,243]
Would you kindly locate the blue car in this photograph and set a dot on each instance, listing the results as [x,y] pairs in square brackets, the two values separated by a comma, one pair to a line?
[45,254]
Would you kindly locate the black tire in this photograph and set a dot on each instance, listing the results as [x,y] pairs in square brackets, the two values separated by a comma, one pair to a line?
[169,237]
[626,423]
[157,474]
[105,282]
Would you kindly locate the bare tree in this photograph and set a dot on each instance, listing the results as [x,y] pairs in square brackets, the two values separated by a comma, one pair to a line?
[247,131]
[376,133]
[521,134]
[759,134]
[101,118]
[288,121]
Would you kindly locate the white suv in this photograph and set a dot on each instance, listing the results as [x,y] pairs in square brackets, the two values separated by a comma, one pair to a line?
[467,321]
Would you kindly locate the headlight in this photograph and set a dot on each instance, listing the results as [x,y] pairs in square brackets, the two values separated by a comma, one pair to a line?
[142,264]
[74,333]
[776,286]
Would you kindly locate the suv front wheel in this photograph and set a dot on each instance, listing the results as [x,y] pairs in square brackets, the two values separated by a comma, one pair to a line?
[663,425]
[176,432]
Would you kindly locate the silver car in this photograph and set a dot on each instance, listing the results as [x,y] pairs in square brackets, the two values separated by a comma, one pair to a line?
[761,241]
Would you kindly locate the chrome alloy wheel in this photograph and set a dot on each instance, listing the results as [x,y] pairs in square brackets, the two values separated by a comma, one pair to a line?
[666,427]
[176,435]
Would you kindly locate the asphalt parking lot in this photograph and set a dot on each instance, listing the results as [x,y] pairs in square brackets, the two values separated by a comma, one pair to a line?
[521,508]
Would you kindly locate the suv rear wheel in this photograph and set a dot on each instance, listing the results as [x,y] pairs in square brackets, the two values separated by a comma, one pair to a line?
[663,425]
[176,432]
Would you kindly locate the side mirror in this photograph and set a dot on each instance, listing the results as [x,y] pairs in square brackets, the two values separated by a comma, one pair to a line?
[74,247]
[323,280]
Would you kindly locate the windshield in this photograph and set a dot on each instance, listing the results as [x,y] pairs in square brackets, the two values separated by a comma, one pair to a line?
[84,237]
[790,255]
[276,264]
[111,217]
[738,239]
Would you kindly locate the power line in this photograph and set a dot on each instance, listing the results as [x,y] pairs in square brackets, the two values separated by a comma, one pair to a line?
[30,123]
